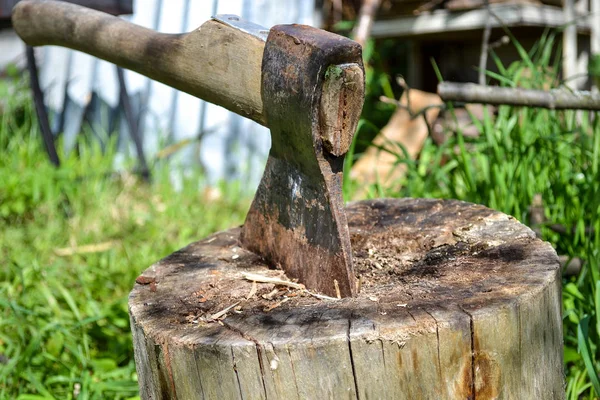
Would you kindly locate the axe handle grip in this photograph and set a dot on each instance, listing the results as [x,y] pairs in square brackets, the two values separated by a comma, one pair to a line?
[215,62]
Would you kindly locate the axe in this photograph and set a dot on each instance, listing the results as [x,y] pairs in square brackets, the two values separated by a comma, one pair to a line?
[306,85]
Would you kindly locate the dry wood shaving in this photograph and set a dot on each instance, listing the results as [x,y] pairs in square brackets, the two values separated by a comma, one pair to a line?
[222,313]
[253,290]
[268,279]
[277,281]
[319,296]
[271,294]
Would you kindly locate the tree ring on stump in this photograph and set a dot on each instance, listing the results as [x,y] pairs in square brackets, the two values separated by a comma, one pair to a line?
[456,301]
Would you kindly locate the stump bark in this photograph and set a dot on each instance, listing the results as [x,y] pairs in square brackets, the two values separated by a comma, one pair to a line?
[456,302]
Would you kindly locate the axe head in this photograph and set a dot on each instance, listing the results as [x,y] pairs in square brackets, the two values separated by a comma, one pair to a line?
[313,93]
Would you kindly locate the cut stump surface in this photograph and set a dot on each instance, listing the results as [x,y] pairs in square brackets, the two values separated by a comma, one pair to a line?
[456,302]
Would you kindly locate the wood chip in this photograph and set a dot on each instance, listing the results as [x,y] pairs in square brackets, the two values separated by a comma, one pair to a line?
[271,294]
[359,284]
[276,281]
[222,313]
[274,362]
[320,296]
[337,289]
[145,280]
[268,279]
[252,291]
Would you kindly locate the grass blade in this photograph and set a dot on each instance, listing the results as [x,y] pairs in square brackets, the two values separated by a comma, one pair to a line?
[584,349]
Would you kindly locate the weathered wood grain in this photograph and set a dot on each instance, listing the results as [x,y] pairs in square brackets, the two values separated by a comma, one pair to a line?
[342,101]
[215,62]
[457,301]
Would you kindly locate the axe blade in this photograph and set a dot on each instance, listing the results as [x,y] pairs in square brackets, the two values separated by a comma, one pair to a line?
[313,92]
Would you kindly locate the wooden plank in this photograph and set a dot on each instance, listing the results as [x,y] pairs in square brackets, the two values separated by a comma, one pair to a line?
[215,62]
[569,66]
[461,5]
[446,21]
[595,16]
[595,35]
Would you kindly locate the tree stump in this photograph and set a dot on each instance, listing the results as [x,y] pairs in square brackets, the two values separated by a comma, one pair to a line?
[456,302]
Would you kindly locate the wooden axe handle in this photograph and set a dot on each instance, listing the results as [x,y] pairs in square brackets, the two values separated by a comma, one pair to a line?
[215,62]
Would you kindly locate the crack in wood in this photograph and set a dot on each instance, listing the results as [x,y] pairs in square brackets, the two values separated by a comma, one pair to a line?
[382,350]
[412,316]
[167,358]
[262,369]
[199,377]
[472,330]
[352,358]
[437,335]
[258,352]
[293,369]
[237,376]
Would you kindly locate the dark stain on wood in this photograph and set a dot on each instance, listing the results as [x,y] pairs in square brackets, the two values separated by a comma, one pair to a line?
[463,387]
[415,359]
[163,383]
[506,253]
[169,370]
[487,373]
[487,376]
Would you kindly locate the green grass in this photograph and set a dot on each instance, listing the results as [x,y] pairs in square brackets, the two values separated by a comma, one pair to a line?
[521,153]
[64,325]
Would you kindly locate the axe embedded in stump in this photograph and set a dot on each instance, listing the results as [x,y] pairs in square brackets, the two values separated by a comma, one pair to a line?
[457,300]
[312,91]
[305,84]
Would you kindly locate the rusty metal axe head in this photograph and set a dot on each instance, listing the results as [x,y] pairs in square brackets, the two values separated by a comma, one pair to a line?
[313,93]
